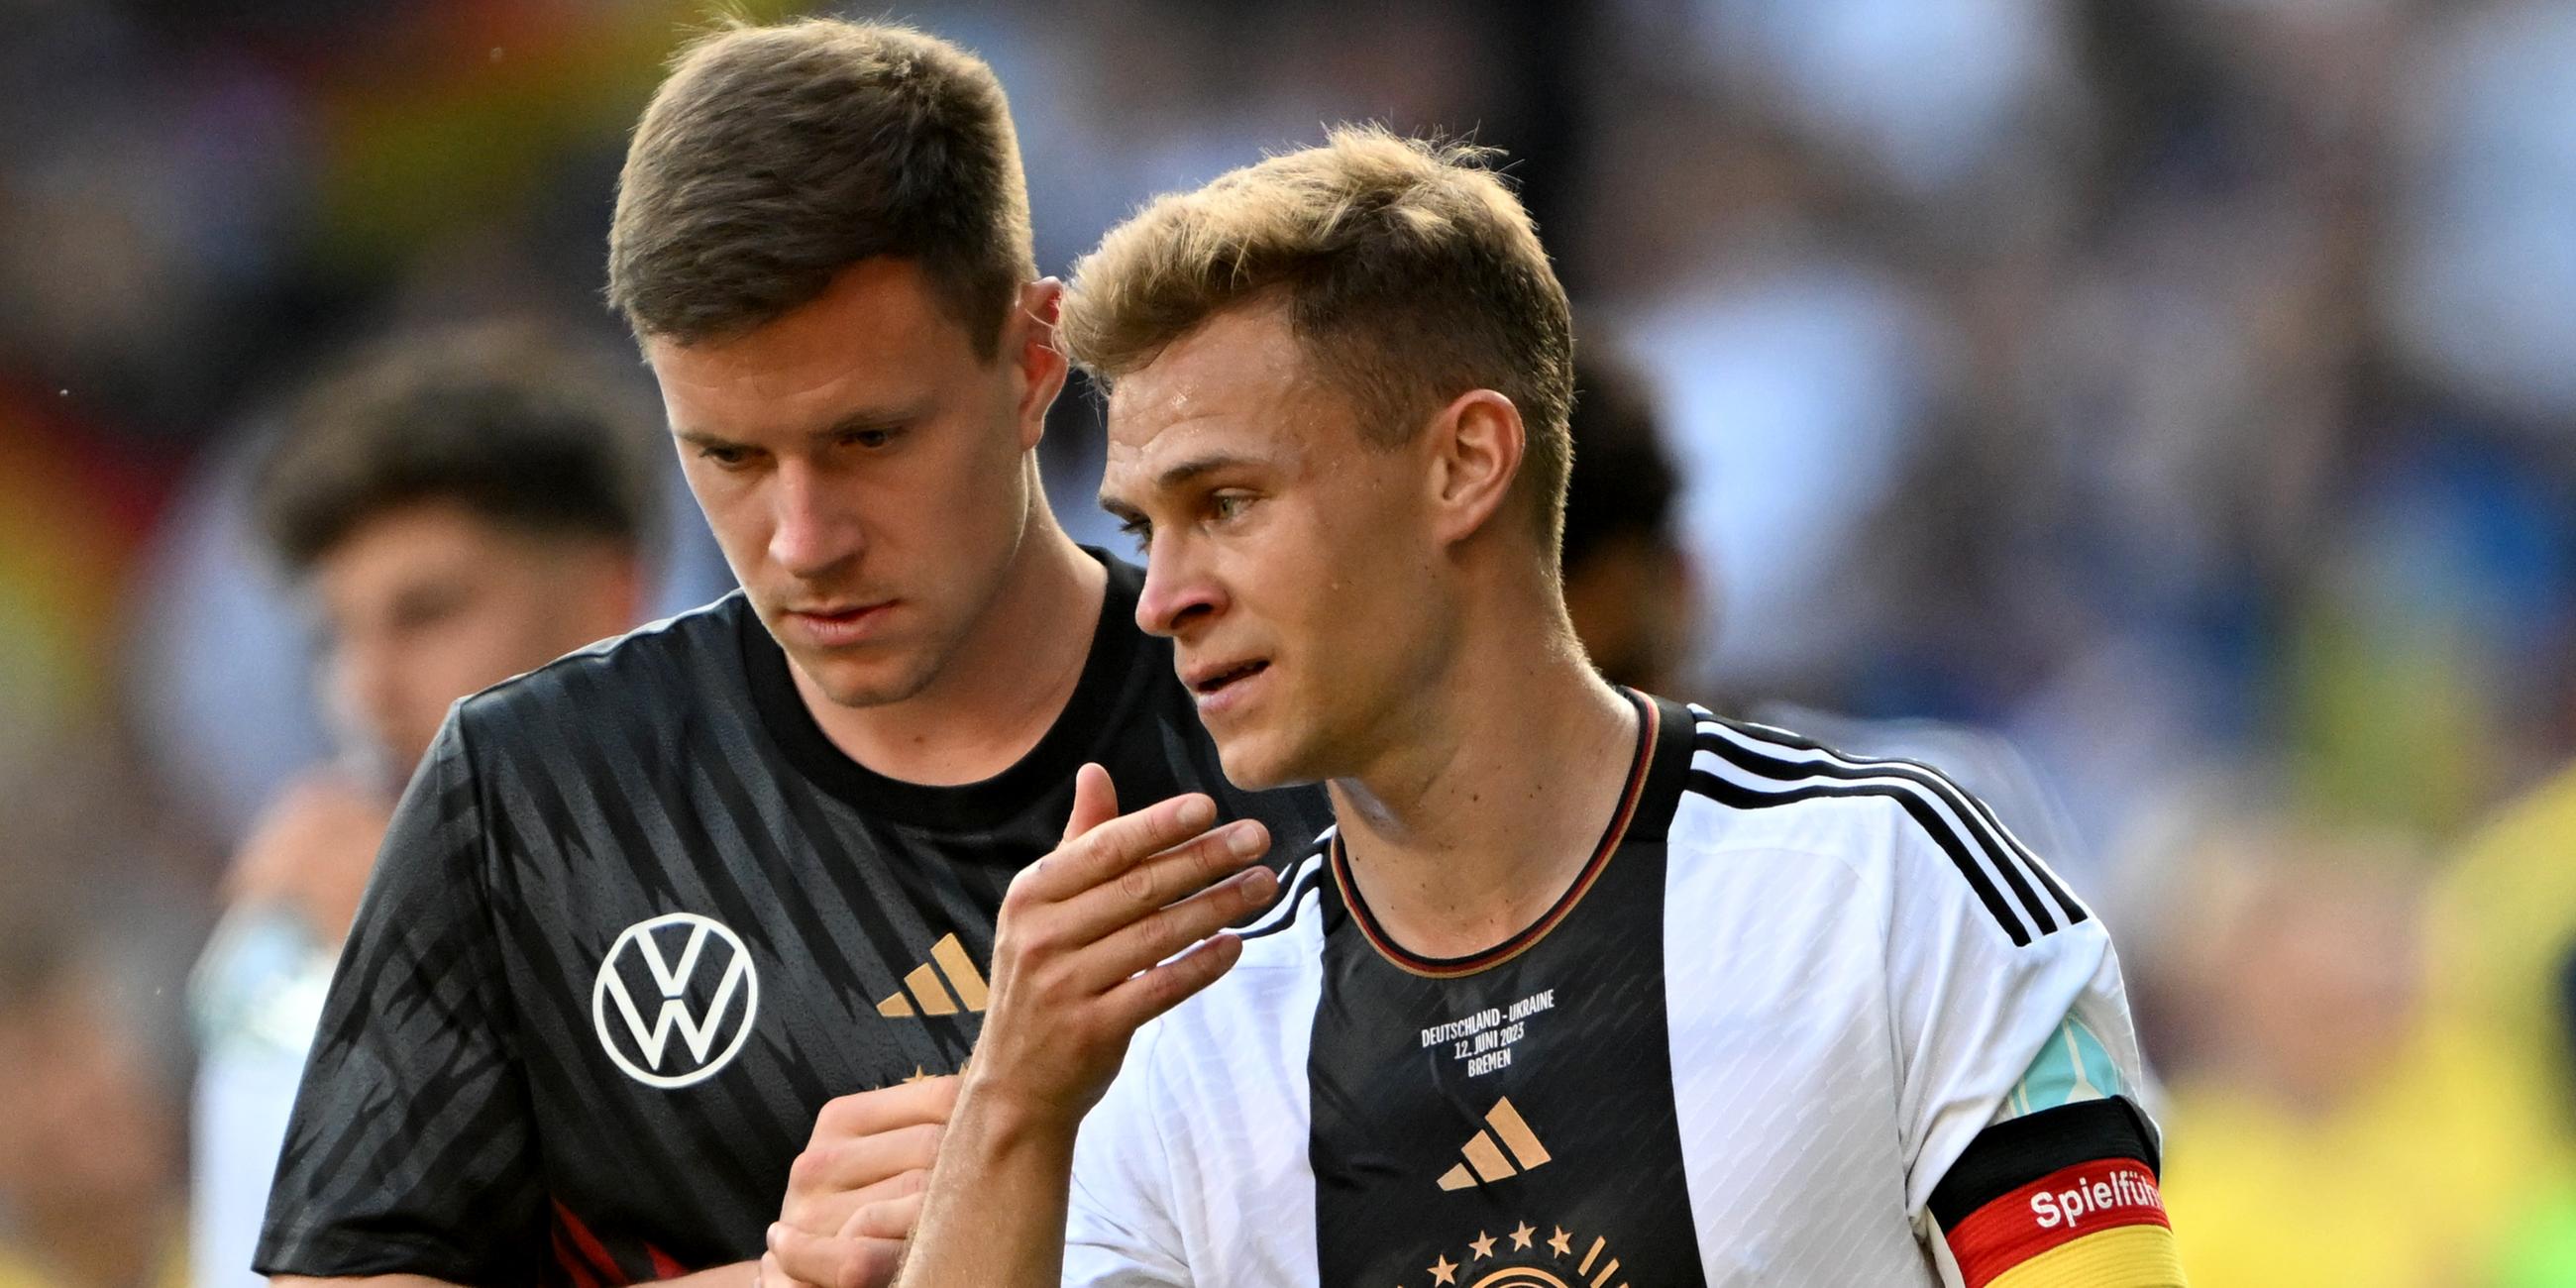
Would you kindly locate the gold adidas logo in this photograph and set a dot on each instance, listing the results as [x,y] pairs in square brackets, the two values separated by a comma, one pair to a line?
[947,959]
[1486,1159]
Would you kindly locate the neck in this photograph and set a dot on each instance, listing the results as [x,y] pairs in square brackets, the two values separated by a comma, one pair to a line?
[1003,687]
[1470,827]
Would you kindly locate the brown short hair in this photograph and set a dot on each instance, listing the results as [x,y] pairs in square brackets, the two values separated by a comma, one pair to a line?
[519,428]
[774,157]
[1411,272]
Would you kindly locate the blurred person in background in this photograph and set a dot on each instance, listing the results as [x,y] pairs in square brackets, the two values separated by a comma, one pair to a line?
[2335,1123]
[1631,588]
[2539,1249]
[89,1141]
[462,505]
[2502,946]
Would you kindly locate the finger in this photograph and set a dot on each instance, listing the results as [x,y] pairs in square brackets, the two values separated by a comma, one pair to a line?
[838,1167]
[868,1113]
[773,1275]
[1113,847]
[1095,800]
[1152,992]
[832,1261]
[891,1218]
[1167,932]
[830,1213]
[1167,878]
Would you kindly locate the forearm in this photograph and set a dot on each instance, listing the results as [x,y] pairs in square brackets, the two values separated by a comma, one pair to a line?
[995,1215]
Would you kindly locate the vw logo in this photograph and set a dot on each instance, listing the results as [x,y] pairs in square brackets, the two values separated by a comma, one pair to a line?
[696,982]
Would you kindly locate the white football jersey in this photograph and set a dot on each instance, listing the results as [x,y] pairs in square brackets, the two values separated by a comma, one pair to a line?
[1786,992]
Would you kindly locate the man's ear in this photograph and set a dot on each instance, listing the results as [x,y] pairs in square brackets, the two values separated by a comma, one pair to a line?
[1475,448]
[1037,355]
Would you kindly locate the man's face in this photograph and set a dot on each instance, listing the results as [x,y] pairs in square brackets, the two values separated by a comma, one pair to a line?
[1292,562]
[867,475]
[429,602]
[87,1128]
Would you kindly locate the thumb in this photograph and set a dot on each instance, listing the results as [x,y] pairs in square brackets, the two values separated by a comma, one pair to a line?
[1095,800]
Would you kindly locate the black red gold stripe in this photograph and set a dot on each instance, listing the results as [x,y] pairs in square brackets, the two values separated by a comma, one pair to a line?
[2055,1212]
[2132,1256]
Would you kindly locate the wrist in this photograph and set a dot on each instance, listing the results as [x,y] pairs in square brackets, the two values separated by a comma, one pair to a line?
[997,1116]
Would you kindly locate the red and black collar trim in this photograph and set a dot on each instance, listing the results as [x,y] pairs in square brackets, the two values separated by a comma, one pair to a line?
[1643,759]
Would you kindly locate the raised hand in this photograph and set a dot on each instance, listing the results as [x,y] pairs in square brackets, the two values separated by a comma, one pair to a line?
[1118,925]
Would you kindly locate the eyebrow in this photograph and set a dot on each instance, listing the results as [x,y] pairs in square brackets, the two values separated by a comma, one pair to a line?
[1181,472]
[855,422]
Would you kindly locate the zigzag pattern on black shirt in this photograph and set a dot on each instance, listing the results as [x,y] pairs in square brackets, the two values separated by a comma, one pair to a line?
[637,920]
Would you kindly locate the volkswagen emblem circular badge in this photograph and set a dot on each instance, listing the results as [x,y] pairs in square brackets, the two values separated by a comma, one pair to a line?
[677,975]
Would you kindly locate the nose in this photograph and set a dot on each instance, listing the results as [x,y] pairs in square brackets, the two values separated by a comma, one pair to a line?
[811,531]
[365,687]
[1180,590]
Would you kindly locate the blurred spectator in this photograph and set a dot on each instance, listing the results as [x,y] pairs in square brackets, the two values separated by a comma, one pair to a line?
[2502,932]
[94,932]
[464,506]
[2541,1250]
[2503,944]
[1634,600]
[2326,1126]
[89,1148]
[1628,582]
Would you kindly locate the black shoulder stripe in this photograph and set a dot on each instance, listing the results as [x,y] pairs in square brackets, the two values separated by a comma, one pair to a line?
[2017,867]
[1738,796]
[2013,1153]
[1984,813]
[2007,856]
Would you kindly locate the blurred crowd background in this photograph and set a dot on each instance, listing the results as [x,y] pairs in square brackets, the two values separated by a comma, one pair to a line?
[2168,406]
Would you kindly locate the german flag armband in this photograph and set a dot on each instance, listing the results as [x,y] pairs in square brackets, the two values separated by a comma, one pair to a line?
[2066,1196]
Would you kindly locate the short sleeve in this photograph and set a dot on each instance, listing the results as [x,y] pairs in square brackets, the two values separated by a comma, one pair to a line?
[411,1148]
[1988,960]
[1119,1230]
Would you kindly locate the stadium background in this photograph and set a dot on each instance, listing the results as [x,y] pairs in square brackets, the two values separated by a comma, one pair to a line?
[2183,389]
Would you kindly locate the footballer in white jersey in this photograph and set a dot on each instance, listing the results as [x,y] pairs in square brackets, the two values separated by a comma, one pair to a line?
[1798,1017]
[1583,987]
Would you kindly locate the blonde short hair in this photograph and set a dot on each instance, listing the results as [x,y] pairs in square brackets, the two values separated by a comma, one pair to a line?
[1411,275]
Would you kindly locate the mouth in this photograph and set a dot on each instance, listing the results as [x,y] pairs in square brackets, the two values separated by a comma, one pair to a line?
[842,613]
[832,625]
[1207,682]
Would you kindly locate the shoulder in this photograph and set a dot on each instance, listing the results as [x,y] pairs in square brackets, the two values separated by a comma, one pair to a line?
[649,677]
[1902,827]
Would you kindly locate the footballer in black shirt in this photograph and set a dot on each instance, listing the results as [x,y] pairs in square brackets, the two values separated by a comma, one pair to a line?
[638,920]
[645,911]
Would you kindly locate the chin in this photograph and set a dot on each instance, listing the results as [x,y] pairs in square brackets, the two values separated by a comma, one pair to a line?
[848,682]
[1256,765]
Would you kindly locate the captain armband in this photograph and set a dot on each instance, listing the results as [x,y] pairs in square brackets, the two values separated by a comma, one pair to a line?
[2064,1196]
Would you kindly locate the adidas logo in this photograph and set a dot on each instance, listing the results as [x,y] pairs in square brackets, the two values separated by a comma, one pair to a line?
[1485,1161]
[948,960]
